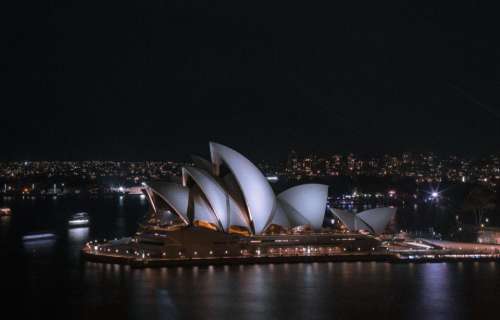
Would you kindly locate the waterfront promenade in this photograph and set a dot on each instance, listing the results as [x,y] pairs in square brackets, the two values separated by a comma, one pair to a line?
[116,252]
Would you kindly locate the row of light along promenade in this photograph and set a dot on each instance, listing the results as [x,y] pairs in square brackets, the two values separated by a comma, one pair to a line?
[131,252]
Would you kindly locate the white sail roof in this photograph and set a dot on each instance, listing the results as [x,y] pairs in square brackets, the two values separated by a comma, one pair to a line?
[375,220]
[231,191]
[378,218]
[258,195]
[346,217]
[308,200]
[175,195]
[280,217]
[202,211]
[214,193]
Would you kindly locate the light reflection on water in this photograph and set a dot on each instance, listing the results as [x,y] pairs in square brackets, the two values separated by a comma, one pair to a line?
[78,235]
[315,291]
[37,247]
[5,220]
[436,291]
[85,290]
[4,225]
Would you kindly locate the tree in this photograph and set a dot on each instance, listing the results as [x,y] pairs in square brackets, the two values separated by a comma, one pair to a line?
[478,201]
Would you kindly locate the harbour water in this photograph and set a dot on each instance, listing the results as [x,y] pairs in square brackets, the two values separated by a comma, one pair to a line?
[48,278]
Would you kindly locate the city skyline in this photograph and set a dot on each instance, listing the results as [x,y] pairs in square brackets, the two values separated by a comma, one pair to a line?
[419,167]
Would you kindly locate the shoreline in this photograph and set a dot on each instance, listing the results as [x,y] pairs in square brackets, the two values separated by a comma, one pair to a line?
[391,257]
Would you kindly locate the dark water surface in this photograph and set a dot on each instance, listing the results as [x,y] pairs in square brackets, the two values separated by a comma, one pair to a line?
[47,279]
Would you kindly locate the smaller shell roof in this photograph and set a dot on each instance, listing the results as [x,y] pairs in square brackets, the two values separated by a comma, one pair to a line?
[375,220]
[175,195]
[306,200]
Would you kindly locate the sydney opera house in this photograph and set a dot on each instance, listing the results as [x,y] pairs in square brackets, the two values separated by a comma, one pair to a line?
[225,207]
[230,194]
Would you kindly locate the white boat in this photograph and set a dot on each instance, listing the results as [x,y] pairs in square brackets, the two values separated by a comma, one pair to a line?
[5,211]
[34,236]
[79,220]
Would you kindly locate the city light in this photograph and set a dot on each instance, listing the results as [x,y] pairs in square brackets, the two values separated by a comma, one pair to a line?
[434,195]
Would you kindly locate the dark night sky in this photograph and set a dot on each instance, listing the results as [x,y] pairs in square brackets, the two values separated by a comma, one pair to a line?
[159,79]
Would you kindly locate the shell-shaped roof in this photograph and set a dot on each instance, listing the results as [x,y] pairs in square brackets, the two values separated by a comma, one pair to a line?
[350,220]
[175,195]
[257,193]
[202,211]
[280,217]
[375,220]
[214,193]
[236,215]
[309,200]
[345,216]
[378,218]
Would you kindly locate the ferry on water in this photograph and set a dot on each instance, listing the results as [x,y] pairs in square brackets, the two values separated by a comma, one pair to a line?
[40,235]
[5,211]
[80,219]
